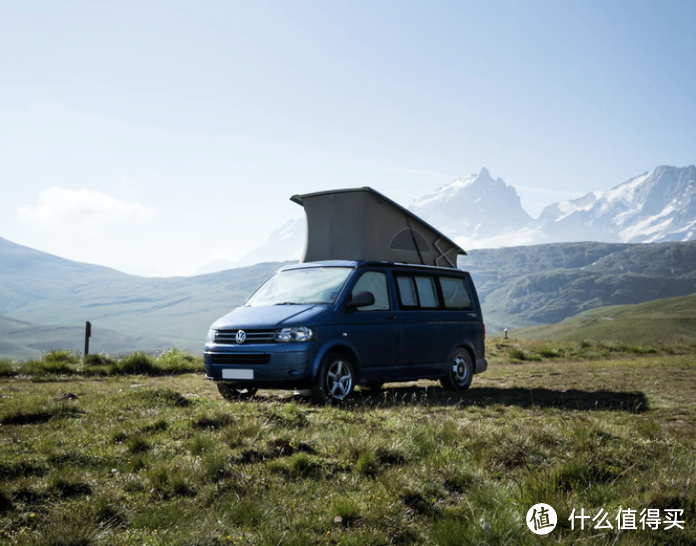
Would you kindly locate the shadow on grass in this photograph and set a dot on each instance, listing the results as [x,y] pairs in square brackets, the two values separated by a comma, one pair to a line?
[571,399]
[28,417]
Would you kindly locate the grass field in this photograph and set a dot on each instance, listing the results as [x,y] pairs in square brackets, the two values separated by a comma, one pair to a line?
[111,458]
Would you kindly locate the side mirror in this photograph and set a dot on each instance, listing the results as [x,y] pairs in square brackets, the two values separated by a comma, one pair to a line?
[361,299]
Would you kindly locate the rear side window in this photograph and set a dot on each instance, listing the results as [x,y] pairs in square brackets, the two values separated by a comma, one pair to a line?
[407,292]
[375,282]
[455,292]
[426,292]
[417,291]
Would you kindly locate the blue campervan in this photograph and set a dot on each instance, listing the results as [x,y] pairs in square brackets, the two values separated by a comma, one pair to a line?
[329,326]
[377,298]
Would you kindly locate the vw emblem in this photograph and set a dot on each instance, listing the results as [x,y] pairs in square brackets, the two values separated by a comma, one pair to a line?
[241,336]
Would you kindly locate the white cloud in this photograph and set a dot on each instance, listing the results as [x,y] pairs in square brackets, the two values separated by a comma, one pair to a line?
[88,209]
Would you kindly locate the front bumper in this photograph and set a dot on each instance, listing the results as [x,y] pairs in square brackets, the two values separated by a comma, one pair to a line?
[273,365]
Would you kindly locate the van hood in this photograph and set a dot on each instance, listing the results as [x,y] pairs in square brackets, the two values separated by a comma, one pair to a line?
[274,316]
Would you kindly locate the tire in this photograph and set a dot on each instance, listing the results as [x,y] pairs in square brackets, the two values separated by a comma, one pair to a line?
[460,371]
[335,381]
[233,393]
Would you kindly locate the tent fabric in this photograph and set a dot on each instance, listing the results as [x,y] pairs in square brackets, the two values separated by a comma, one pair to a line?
[362,224]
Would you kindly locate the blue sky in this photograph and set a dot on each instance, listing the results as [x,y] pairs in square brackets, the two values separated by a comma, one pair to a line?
[161,135]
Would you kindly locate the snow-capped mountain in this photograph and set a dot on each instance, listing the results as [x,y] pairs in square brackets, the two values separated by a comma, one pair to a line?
[478,211]
[473,206]
[653,207]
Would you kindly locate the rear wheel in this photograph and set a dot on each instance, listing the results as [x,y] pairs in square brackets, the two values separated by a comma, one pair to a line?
[335,381]
[460,371]
[233,393]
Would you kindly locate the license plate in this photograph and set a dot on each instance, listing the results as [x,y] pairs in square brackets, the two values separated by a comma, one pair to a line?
[238,374]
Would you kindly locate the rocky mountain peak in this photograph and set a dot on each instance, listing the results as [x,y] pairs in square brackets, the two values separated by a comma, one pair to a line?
[473,206]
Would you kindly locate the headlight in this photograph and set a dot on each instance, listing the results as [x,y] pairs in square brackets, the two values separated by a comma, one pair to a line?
[294,334]
[211,336]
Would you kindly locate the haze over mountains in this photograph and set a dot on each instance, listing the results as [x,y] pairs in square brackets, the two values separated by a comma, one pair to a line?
[479,211]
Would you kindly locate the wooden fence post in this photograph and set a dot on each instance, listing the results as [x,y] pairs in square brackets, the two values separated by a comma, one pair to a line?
[88,334]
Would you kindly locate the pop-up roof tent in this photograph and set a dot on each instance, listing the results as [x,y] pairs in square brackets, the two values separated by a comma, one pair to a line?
[362,224]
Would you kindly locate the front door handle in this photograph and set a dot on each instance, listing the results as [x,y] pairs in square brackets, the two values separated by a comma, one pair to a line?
[391,317]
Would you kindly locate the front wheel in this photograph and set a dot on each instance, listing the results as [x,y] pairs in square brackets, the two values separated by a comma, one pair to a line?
[335,381]
[460,371]
[232,393]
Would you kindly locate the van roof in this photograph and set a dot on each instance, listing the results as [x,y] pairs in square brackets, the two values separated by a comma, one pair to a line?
[364,263]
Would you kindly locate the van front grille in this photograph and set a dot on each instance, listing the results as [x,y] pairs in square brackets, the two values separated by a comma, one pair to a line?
[229,337]
[240,358]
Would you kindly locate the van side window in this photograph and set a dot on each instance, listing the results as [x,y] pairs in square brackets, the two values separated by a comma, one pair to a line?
[417,291]
[426,292]
[407,292]
[455,293]
[375,282]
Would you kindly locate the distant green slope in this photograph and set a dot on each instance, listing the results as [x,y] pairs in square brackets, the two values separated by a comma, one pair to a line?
[181,308]
[28,275]
[531,285]
[21,340]
[666,320]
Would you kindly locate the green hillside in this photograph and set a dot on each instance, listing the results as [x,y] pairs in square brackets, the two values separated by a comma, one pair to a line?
[179,308]
[28,275]
[664,321]
[532,285]
[20,339]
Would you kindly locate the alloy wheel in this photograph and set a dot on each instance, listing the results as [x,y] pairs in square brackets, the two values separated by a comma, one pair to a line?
[339,380]
[460,371]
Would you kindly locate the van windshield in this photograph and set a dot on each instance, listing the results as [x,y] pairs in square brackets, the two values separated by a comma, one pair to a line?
[301,286]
